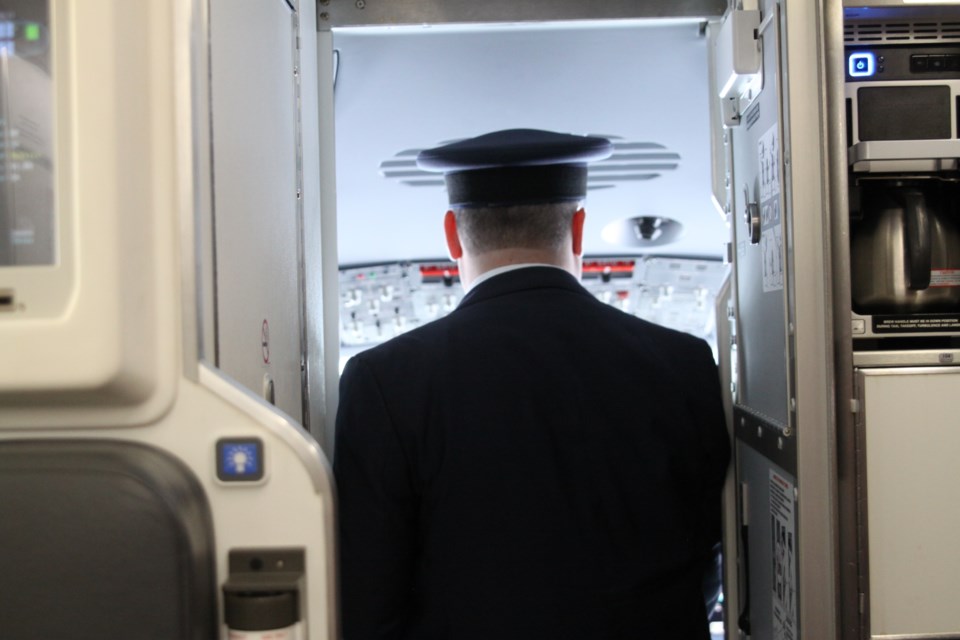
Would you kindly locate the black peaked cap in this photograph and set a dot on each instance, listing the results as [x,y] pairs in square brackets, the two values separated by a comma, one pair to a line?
[515,166]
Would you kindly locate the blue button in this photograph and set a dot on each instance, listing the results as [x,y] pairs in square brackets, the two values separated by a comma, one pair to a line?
[240,459]
[861,65]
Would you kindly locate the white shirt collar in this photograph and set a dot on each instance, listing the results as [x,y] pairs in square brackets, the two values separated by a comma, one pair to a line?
[486,275]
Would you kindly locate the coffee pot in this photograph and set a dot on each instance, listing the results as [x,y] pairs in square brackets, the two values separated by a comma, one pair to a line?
[905,247]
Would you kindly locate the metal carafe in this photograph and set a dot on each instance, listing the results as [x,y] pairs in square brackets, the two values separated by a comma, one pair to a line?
[905,248]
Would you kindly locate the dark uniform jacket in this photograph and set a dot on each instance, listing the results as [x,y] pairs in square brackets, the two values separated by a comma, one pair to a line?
[536,465]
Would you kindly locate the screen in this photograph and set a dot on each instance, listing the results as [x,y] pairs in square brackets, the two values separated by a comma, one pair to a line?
[27,214]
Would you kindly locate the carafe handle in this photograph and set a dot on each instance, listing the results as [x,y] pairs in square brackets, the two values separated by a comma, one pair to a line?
[917,239]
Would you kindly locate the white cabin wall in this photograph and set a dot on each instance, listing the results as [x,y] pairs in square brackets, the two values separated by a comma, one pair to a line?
[256,207]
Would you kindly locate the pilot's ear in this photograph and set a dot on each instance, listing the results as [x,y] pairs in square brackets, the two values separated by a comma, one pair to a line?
[577,231]
[453,238]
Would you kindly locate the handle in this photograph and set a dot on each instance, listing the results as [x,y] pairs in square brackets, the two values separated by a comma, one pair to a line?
[751,215]
[917,239]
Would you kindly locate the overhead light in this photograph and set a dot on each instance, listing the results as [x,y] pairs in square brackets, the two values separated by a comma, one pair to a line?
[642,231]
[648,228]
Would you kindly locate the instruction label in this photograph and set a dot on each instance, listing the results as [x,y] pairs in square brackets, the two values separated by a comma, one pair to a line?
[930,323]
[771,227]
[784,558]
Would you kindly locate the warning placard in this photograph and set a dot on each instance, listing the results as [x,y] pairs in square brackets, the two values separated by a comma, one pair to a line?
[782,529]
[927,323]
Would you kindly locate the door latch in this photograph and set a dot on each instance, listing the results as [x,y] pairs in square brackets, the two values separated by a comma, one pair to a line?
[751,215]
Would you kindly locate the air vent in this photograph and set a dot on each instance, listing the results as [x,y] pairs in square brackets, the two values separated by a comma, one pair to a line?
[631,162]
[900,32]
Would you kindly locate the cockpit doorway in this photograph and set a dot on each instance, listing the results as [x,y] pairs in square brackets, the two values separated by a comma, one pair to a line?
[655,243]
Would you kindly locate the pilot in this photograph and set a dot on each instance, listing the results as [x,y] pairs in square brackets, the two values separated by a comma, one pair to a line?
[537,464]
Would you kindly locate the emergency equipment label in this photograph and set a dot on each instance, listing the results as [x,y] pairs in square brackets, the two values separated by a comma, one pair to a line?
[771,228]
[784,558]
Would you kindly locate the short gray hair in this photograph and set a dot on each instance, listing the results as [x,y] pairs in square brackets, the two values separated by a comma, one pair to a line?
[529,226]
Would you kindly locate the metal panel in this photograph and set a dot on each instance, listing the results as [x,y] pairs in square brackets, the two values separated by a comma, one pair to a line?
[349,13]
[766,438]
[256,207]
[911,447]
[757,179]
[768,510]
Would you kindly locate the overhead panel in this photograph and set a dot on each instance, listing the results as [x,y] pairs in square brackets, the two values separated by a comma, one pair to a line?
[630,161]
[353,13]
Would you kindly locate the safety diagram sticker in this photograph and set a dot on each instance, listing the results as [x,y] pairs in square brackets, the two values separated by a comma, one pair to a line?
[784,558]
[945,277]
[771,228]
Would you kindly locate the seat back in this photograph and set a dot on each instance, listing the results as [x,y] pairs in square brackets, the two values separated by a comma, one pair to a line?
[103,539]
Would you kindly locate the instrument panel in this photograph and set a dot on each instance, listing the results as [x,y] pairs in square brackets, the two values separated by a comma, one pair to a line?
[380,301]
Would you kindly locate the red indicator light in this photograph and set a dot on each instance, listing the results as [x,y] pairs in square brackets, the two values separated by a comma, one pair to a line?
[618,266]
[608,269]
[434,271]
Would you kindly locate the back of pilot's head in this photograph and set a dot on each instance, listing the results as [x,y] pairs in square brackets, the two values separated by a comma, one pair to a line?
[544,226]
[517,188]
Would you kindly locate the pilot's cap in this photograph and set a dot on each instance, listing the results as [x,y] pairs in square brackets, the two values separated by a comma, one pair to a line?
[516,166]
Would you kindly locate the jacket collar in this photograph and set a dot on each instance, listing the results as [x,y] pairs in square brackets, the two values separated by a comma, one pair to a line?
[534,277]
